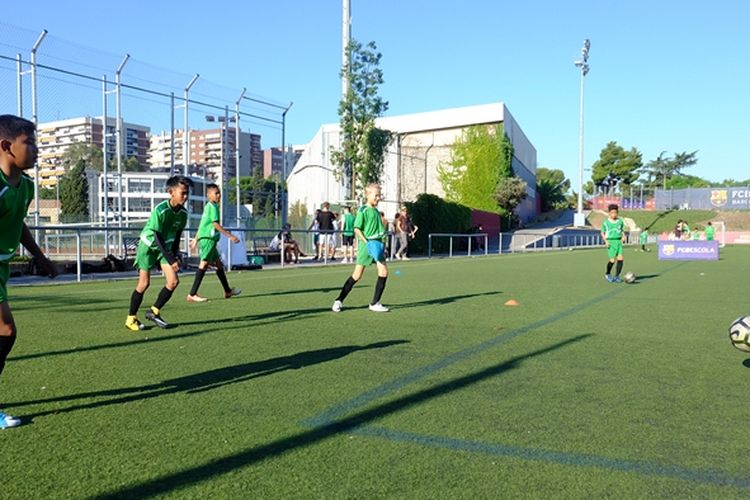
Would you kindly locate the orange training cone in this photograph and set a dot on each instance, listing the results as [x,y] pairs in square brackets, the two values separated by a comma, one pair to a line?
[512,302]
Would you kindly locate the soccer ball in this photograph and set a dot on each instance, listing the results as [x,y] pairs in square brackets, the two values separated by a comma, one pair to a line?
[629,277]
[739,333]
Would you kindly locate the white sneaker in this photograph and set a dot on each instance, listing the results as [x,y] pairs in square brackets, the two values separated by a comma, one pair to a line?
[6,421]
[378,308]
[337,305]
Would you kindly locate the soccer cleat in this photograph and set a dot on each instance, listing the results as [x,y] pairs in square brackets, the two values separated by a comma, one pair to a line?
[196,298]
[608,278]
[232,293]
[337,305]
[617,279]
[132,323]
[378,308]
[6,421]
[154,316]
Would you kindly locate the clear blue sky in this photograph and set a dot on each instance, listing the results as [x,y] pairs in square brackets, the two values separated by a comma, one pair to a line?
[667,75]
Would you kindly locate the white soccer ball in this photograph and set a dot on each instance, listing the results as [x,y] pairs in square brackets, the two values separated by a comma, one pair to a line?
[629,277]
[739,333]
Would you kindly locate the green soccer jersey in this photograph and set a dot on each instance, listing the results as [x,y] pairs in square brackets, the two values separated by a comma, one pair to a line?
[368,221]
[165,221]
[206,227]
[14,203]
[348,229]
[709,233]
[644,237]
[613,229]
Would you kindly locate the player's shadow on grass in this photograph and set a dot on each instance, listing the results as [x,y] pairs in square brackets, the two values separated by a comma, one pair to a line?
[298,291]
[62,301]
[231,323]
[203,381]
[645,277]
[224,465]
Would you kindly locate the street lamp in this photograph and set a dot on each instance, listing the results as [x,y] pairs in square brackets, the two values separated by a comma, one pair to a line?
[579,220]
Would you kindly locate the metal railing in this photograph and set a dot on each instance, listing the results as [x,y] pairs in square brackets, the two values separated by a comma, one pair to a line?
[460,236]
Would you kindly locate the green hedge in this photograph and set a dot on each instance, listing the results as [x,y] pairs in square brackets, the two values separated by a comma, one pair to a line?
[434,215]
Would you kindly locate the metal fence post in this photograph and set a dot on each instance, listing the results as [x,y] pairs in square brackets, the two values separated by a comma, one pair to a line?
[78,255]
[429,246]
[450,246]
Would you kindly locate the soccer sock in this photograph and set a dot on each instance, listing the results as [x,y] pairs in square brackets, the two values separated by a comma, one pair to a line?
[223,279]
[619,268]
[350,282]
[6,344]
[609,267]
[198,279]
[164,295]
[379,287]
[135,302]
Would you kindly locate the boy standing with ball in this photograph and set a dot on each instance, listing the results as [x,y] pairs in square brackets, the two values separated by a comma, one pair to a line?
[613,234]
[369,231]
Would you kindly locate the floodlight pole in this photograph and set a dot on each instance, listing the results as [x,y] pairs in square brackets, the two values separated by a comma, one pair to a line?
[283,157]
[35,119]
[19,86]
[118,137]
[237,157]
[579,219]
[105,165]
[186,131]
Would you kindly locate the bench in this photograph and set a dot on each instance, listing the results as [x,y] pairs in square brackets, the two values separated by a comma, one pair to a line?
[261,246]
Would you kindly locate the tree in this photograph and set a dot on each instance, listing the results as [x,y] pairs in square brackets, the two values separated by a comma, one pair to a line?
[686,181]
[264,194]
[616,163]
[551,186]
[480,159]
[362,152]
[664,168]
[74,194]
[90,154]
[509,193]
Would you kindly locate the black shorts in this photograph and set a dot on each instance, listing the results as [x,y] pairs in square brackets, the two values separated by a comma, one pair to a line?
[348,240]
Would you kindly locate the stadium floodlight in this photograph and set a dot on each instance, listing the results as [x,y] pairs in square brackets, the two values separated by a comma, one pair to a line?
[186,132]
[579,220]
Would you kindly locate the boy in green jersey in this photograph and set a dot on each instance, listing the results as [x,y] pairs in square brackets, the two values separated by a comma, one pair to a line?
[709,231]
[347,232]
[613,234]
[643,240]
[18,152]
[370,232]
[160,242]
[208,235]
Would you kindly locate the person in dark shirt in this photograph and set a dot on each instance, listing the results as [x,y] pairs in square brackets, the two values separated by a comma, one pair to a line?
[325,220]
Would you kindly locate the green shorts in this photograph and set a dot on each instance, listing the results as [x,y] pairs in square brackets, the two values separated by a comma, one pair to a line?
[4,275]
[615,249]
[207,250]
[363,256]
[146,257]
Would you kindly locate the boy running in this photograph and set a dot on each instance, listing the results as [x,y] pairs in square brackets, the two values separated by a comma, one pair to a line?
[208,235]
[369,230]
[18,152]
[160,242]
[613,234]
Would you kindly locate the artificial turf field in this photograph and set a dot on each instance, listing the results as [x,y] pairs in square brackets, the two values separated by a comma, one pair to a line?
[585,390]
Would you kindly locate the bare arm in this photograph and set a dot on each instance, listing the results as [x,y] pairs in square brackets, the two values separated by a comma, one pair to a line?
[226,233]
[27,240]
[359,234]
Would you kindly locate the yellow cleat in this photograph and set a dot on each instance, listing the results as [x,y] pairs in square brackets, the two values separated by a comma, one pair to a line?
[132,323]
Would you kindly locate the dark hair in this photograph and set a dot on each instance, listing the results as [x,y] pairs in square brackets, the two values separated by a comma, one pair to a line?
[175,180]
[12,126]
[212,186]
[613,206]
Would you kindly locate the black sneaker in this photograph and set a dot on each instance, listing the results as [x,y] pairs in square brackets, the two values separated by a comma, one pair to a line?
[156,318]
